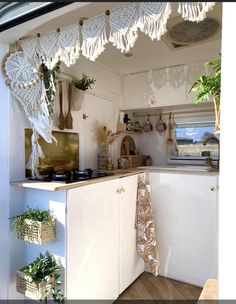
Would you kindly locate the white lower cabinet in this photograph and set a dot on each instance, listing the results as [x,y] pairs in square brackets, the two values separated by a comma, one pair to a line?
[186,217]
[131,265]
[101,239]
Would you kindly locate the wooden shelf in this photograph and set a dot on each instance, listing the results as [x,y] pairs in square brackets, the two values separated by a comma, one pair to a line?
[132,132]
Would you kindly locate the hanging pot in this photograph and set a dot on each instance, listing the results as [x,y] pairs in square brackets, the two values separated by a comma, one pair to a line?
[147,127]
[77,99]
[161,125]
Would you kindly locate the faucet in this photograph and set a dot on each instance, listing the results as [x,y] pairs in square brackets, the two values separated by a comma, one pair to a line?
[213,138]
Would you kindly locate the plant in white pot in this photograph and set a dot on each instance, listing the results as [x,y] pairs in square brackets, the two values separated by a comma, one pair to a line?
[79,88]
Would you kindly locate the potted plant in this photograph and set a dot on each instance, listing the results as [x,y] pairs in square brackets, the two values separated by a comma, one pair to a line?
[79,87]
[207,86]
[35,226]
[40,280]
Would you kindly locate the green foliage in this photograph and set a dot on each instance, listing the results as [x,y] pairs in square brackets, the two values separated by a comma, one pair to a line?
[46,269]
[84,83]
[17,224]
[50,79]
[208,85]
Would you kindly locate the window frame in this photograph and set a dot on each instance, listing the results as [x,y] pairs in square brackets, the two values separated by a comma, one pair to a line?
[191,121]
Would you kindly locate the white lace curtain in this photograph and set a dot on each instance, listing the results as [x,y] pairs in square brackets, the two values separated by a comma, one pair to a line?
[150,17]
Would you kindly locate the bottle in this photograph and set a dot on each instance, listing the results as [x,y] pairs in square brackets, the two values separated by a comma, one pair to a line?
[148,161]
[109,164]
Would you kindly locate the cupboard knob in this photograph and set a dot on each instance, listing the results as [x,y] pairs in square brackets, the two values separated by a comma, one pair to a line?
[213,188]
[123,189]
[118,191]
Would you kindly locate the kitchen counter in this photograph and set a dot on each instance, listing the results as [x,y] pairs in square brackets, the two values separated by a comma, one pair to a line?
[182,169]
[53,186]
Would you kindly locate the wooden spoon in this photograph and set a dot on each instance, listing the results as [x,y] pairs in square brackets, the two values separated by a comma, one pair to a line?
[61,124]
[69,118]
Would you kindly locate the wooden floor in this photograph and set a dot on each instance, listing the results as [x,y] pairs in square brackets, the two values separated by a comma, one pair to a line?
[148,287]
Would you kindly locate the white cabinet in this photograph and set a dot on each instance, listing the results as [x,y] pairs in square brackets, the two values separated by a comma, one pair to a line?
[186,216]
[102,259]
[92,241]
[131,265]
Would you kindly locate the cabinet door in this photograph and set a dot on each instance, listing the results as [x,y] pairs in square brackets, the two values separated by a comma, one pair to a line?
[92,241]
[131,264]
[185,207]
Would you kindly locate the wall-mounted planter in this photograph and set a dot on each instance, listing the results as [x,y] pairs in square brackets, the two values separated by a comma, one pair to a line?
[31,289]
[38,232]
[77,99]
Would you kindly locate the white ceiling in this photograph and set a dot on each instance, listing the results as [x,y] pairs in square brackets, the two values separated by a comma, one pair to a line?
[147,54]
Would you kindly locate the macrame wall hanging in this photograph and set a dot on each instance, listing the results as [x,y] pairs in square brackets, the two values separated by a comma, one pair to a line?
[124,27]
[153,17]
[94,37]
[150,17]
[27,86]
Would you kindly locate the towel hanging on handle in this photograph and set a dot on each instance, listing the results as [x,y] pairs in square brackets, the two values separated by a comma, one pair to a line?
[146,238]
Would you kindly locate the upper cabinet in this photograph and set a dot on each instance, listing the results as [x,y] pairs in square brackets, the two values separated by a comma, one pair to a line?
[162,87]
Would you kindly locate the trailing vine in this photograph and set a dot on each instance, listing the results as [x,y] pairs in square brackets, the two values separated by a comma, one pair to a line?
[18,224]
[46,269]
[51,80]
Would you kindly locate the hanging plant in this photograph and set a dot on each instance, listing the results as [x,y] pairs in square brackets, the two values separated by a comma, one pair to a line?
[50,79]
[84,83]
[35,226]
[208,86]
[41,279]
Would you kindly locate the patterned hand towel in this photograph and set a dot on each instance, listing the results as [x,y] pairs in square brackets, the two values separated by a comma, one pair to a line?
[146,238]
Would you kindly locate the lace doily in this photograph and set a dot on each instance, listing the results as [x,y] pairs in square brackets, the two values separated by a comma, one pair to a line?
[153,18]
[19,72]
[124,26]
[94,37]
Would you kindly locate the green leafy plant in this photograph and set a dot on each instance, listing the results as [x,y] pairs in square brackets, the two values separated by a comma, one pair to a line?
[208,86]
[18,225]
[50,79]
[46,269]
[84,83]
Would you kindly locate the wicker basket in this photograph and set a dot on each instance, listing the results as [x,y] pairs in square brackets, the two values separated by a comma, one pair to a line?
[134,160]
[31,289]
[38,232]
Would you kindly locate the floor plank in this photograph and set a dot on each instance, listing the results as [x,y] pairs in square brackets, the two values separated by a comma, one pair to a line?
[148,287]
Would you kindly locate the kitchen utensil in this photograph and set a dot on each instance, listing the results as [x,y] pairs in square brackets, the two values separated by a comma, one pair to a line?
[147,127]
[69,119]
[169,140]
[61,123]
[161,125]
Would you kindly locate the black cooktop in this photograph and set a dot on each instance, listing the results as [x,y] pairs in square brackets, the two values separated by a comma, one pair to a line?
[72,176]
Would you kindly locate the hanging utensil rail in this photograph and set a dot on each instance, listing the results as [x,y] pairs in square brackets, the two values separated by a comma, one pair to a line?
[167,112]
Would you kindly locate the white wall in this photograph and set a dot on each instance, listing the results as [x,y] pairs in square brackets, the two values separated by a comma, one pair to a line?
[4,178]
[227,206]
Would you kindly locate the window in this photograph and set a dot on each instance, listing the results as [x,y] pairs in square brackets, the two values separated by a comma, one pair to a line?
[189,142]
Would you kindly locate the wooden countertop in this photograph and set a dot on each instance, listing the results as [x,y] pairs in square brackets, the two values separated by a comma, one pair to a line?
[54,186]
[181,169]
